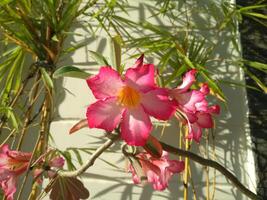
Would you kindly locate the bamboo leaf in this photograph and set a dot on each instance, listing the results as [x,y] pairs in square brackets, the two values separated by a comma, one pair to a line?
[70,71]
[116,52]
[97,57]
[46,78]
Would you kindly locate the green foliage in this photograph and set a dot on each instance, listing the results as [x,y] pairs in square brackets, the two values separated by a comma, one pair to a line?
[70,71]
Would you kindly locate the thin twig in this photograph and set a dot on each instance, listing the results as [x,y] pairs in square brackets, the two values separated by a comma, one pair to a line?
[91,160]
[210,163]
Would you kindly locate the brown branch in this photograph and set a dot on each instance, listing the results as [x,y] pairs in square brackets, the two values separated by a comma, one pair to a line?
[210,163]
[91,160]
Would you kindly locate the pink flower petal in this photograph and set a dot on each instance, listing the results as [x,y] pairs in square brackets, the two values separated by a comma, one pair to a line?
[205,89]
[188,100]
[20,156]
[157,103]
[188,80]
[195,132]
[215,109]
[106,83]
[37,175]
[204,120]
[202,106]
[141,78]
[57,162]
[9,187]
[104,114]
[176,166]
[135,178]
[135,127]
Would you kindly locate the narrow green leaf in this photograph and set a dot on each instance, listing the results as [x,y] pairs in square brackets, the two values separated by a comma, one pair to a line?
[257,65]
[78,156]
[116,51]
[214,86]
[258,15]
[46,78]
[97,57]
[70,71]
[5,2]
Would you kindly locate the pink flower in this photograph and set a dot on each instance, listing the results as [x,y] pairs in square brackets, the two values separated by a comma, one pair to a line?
[194,105]
[157,170]
[51,167]
[128,100]
[12,164]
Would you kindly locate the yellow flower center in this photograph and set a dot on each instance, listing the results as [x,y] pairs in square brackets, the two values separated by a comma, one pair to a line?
[128,97]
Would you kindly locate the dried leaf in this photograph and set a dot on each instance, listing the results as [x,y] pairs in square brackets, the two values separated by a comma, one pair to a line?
[81,124]
[68,188]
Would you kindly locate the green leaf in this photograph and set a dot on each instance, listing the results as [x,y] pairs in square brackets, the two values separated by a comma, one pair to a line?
[97,57]
[257,65]
[116,52]
[258,15]
[257,80]
[78,156]
[46,78]
[8,111]
[5,2]
[70,71]
[214,86]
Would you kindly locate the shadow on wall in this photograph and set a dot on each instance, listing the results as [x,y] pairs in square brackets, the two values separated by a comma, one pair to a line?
[230,134]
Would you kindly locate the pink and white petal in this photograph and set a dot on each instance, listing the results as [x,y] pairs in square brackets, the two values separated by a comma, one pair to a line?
[157,104]
[104,114]
[4,161]
[9,187]
[188,80]
[135,126]
[106,83]
[204,120]
[205,89]
[141,78]
[135,178]
[202,106]
[195,132]
[37,175]
[190,99]
[57,162]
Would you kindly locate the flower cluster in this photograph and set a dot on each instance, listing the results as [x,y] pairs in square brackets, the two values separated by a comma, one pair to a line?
[194,106]
[12,165]
[158,171]
[15,163]
[129,100]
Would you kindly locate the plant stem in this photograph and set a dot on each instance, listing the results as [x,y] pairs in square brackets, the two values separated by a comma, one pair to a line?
[186,168]
[91,160]
[28,113]
[210,163]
